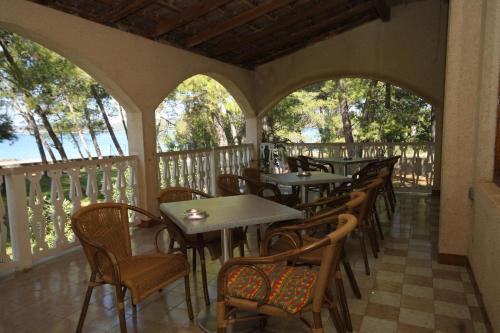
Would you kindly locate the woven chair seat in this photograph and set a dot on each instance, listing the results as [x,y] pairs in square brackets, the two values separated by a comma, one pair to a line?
[144,274]
[291,287]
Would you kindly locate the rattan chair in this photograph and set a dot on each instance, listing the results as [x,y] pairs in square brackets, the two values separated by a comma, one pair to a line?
[268,286]
[253,184]
[198,242]
[103,231]
[302,235]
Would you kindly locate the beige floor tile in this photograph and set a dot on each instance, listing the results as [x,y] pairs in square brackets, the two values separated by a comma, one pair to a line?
[417,303]
[390,276]
[389,259]
[452,310]
[453,325]
[386,298]
[382,311]
[471,300]
[420,271]
[417,318]
[448,285]
[375,325]
[418,291]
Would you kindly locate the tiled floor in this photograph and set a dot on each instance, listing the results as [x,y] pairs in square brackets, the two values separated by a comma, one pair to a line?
[408,291]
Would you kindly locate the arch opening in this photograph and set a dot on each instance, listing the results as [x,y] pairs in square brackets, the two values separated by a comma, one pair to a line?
[57,109]
[199,113]
[350,109]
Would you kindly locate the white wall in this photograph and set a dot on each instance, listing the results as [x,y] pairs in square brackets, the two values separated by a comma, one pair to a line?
[409,51]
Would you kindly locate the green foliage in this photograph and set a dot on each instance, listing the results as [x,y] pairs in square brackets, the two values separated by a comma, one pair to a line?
[378,112]
[202,113]
[6,128]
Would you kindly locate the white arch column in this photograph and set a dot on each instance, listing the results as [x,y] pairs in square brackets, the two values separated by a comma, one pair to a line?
[142,142]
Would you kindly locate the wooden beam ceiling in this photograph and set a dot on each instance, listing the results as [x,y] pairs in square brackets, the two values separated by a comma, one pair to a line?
[187,15]
[128,8]
[246,33]
[236,21]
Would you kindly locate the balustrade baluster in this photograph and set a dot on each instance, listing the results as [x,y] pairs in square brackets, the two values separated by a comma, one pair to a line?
[133,181]
[38,220]
[75,189]
[175,170]
[184,170]
[91,190]
[57,201]
[4,257]
[192,170]
[121,182]
[107,183]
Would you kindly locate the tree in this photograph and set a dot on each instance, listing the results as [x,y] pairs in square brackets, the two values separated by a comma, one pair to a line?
[6,128]
[202,113]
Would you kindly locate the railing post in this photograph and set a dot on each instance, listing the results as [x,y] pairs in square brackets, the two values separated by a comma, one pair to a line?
[15,185]
[214,171]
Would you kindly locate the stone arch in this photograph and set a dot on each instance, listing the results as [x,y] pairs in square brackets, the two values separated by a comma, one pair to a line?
[298,84]
[95,72]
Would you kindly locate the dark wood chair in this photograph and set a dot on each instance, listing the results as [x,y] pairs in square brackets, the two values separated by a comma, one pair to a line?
[269,287]
[103,232]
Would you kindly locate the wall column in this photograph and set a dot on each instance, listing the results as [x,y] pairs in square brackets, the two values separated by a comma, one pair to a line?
[459,127]
[142,142]
[438,144]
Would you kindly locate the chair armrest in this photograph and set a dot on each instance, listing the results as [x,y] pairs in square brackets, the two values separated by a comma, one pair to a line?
[144,212]
[111,258]
[293,235]
[268,186]
[182,244]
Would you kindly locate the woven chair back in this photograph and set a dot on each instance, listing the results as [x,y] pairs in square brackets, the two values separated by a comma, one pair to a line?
[228,184]
[106,224]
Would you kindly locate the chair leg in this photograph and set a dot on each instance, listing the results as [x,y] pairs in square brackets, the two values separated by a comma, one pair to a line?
[201,251]
[242,249]
[373,239]
[317,325]
[187,291]
[258,236]
[337,320]
[361,236]
[221,317]
[350,276]
[387,204]
[339,286]
[86,302]
[121,309]
[379,226]
[194,260]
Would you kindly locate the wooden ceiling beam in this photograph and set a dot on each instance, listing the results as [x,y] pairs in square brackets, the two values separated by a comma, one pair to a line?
[383,10]
[236,21]
[308,32]
[187,15]
[130,7]
[304,12]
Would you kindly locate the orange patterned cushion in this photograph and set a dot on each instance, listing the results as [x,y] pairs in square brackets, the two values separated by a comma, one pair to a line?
[291,287]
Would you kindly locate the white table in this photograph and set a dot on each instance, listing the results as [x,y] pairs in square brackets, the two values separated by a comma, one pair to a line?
[226,213]
[345,163]
[315,178]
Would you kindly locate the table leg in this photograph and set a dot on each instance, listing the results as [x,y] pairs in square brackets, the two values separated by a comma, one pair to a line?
[207,318]
[345,169]
[303,193]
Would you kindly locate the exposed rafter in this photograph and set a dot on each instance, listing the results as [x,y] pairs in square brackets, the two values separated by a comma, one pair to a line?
[187,15]
[123,11]
[306,11]
[236,21]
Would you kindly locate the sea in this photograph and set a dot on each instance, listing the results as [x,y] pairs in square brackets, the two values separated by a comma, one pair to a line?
[24,149]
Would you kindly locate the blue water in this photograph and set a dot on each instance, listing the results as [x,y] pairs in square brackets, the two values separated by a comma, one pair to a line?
[25,148]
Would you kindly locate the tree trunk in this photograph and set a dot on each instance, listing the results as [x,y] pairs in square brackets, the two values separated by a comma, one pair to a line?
[124,123]
[33,128]
[57,143]
[219,129]
[106,119]
[75,141]
[388,93]
[92,132]
[344,111]
[84,143]
[366,112]
[47,147]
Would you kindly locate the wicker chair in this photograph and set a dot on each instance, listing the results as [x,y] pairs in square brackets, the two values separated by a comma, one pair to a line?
[103,231]
[210,240]
[301,234]
[268,286]
[254,185]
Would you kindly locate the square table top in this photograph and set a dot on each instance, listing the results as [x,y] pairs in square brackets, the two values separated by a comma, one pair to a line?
[341,160]
[229,212]
[316,177]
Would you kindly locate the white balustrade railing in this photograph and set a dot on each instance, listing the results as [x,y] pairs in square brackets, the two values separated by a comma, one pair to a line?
[415,169]
[198,169]
[35,217]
